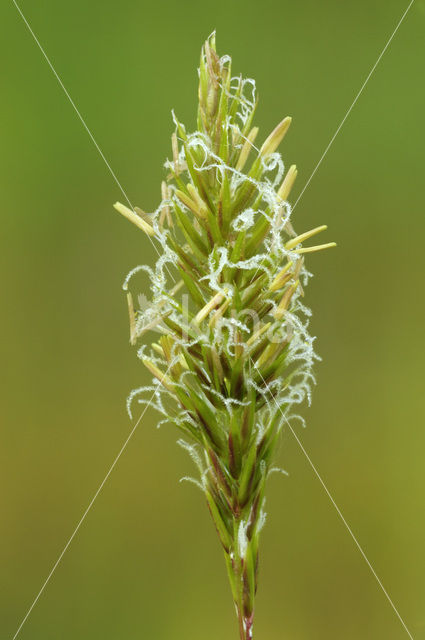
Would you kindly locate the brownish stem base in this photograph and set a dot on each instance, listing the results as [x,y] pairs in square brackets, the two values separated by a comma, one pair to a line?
[245,626]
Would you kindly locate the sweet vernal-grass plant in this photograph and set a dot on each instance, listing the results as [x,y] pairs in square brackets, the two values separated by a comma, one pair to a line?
[234,356]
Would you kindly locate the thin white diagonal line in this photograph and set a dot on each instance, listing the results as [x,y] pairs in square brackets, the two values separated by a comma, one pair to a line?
[111,468]
[328,493]
[83,122]
[353,103]
[341,124]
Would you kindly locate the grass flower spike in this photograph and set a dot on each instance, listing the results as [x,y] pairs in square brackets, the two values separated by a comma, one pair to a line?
[234,355]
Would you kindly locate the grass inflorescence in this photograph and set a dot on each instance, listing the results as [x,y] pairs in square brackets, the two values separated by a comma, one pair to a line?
[234,354]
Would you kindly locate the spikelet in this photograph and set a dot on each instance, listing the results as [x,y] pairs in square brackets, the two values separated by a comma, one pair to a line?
[235,354]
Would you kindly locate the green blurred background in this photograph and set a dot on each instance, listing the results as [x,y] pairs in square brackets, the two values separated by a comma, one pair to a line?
[146,562]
